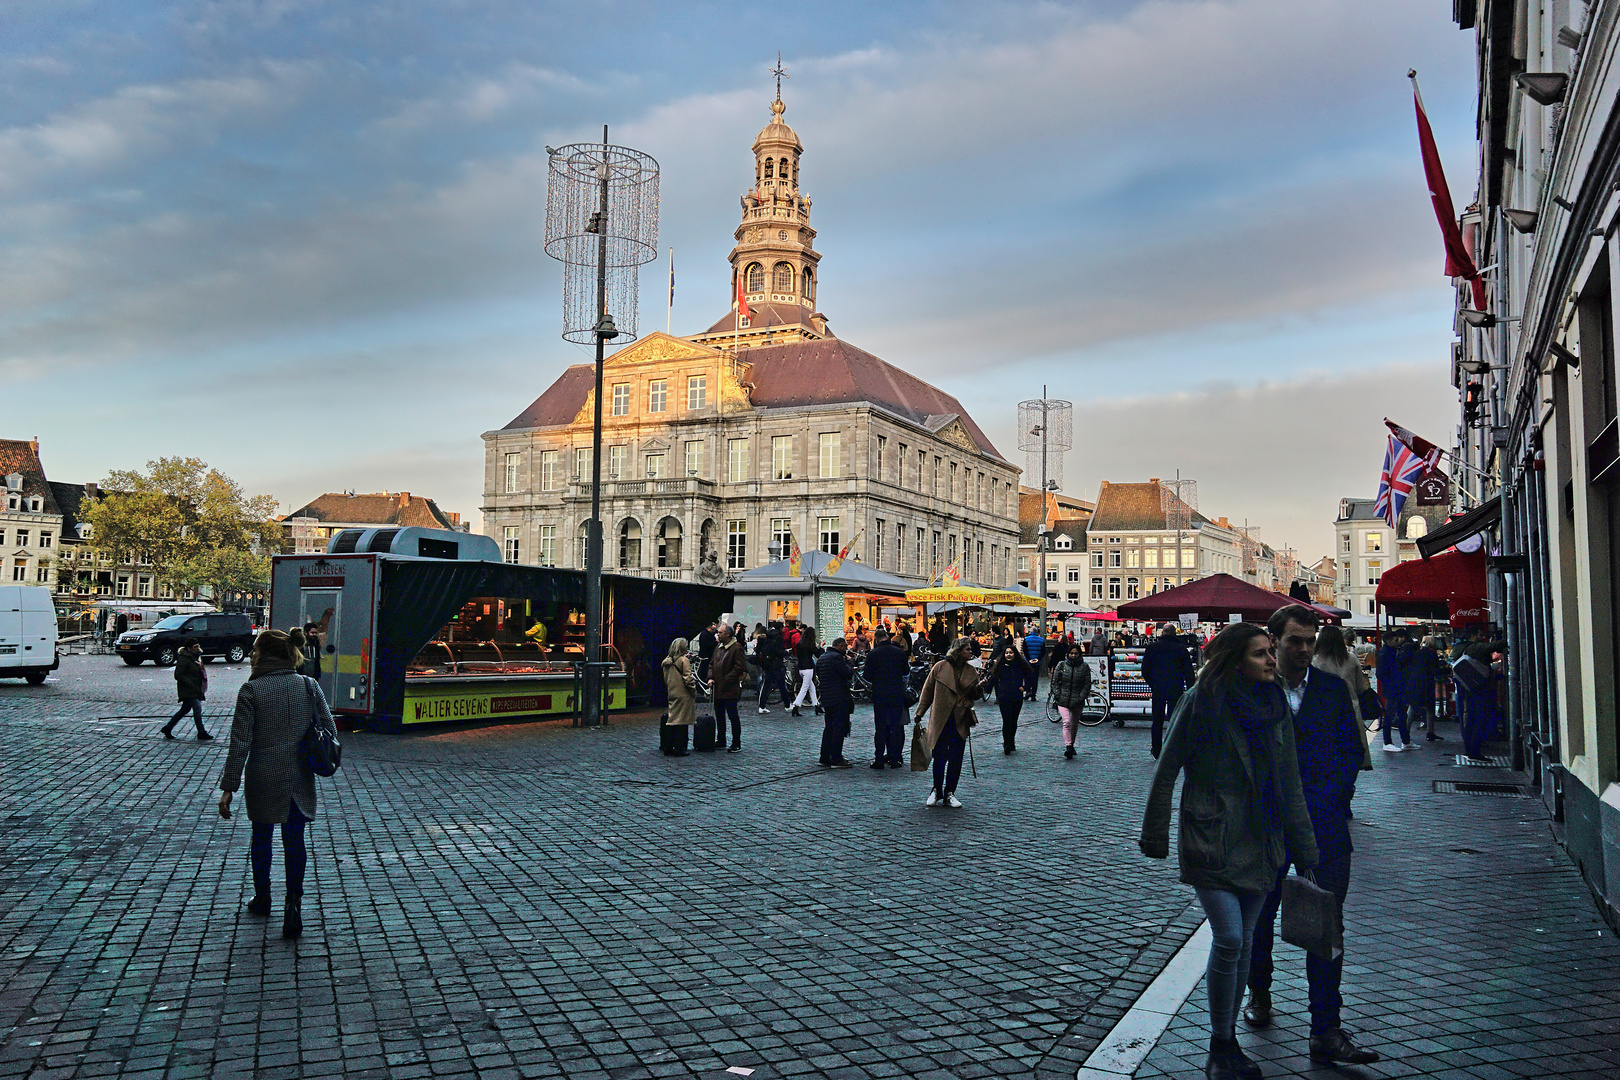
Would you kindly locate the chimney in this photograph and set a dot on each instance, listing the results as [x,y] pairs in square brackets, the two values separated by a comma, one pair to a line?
[1153,479]
[404,499]
[90,489]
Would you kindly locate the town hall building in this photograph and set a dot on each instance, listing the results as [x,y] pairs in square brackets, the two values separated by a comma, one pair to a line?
[755,434]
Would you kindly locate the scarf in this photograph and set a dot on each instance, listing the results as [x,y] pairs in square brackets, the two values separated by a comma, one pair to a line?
[269,665]
[1257,707]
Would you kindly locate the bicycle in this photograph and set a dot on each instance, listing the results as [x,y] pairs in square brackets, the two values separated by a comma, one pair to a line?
[1094,712]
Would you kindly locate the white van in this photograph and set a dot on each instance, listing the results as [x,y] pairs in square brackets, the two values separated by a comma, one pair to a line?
[27,633]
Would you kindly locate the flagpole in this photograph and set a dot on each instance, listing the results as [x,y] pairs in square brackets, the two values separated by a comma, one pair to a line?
[669,308]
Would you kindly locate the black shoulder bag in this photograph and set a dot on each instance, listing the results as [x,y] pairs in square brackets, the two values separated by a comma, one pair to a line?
[321,752]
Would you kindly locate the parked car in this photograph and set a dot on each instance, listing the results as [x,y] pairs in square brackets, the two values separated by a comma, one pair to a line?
[27,633]
[230,636]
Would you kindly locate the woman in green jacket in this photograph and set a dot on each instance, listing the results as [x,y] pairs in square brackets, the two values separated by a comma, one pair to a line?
[1243,815]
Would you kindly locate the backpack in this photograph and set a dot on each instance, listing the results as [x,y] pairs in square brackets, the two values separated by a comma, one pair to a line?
[1472,675]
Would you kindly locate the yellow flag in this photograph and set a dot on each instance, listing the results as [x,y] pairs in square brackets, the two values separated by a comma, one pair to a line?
[793,561]
[953,576]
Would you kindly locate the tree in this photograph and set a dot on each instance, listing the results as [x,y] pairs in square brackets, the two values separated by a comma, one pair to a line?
[191,522]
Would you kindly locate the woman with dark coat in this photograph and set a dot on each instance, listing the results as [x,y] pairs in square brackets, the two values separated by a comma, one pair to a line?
[1243,815]
[1071,685]
[1008,673]
[947,697]
[191,685]
[274,709]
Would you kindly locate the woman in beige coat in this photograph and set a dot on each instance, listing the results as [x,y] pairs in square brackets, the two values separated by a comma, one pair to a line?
[949,691]
[682,687]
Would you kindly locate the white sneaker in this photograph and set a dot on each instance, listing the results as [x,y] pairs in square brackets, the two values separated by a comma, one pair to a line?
[1392,748]
[953,802]
[1410,746]
[933,799]
[762,712]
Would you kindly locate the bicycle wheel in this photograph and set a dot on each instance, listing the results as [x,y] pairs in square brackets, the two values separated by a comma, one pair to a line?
[1052,713]
[1095,710]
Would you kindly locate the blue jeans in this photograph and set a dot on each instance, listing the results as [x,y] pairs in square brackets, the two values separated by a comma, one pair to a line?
[194,707]
[1322,975]
[1395,719]
[292,848]
[1232,917]
[948,759]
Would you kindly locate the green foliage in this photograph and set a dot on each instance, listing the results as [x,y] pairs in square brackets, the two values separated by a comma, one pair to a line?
[191,522]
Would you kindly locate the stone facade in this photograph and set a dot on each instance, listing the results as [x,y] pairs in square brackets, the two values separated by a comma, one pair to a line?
[762,429]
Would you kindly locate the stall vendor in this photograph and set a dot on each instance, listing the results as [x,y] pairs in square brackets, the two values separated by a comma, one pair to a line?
[537,633]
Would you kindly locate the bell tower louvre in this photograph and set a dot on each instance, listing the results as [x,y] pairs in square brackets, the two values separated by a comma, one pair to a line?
[774,253]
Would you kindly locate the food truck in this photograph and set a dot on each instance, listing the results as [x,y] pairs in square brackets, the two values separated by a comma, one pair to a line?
[426,626]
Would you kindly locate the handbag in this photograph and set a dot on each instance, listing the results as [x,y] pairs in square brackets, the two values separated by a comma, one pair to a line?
[1311,918]
[1372,707]
[919,747]
[322,754]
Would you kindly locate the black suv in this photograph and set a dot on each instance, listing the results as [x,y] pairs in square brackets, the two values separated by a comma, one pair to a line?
[230,636]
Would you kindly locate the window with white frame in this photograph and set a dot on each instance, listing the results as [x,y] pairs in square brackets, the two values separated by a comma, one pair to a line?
[1023,564]
[828,528]
[1097,560]
[510,542]
[1151,558]
[548,470]
[1133,588]
[1062,543]
[122,579]
[617,456]
[877,534]
[737,545]
[782,535]
[22,537]
[512,461]
[1114,559]
[782,457]
[621,399]
[655,466]
[830,448]
[694,459]
[1113,588]
[882,448]
[1097,589]
[697,391]
[1051,573]
[1375,570]
[582,466]
[658,395]
[1074,573]
[1375,541]
[548,545]
[736,460]
[143,585]
[900,466]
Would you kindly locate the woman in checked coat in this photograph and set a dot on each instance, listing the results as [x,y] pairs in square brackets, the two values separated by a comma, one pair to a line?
[274,709]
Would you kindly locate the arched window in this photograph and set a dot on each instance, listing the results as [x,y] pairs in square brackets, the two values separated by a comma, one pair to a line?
[782,278]
[783,167]
[669,542]
[755,275]
[706,539]
[770,168]
[584,527]
[1416,527]
[809,290]
[629,544]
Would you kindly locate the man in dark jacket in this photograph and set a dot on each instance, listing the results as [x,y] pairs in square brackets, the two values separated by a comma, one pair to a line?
[886,671]
[771,657]
[834,671]
[939,638]
[729,664]
[1167,668]
[1331,747]
[191,686]
[706,642]
[1034,648]
[1392,688]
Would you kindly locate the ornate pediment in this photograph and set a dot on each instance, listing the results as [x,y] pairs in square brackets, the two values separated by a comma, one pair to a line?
[659,348]
[956,433]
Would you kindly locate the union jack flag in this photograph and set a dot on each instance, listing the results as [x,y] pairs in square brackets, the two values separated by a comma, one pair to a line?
[1402,470]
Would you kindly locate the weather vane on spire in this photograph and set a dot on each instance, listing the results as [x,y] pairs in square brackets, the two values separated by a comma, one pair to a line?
[780,73]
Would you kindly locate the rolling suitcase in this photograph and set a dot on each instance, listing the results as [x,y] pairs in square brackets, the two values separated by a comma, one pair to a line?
[666,735]
[703,735]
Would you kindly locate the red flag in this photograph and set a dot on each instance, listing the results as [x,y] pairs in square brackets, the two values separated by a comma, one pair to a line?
[1420,446]
[742,300]
[1458,262]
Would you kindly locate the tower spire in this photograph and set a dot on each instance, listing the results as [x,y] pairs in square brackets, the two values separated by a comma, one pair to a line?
[781,73]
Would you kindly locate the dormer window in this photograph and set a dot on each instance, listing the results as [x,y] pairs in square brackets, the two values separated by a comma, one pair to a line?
[1063,543]
[14,481]
[36,504]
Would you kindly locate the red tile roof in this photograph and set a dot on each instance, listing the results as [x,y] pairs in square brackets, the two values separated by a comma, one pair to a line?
[799,373]
[1126,507]
[22,456]
[763,316]
[400,508]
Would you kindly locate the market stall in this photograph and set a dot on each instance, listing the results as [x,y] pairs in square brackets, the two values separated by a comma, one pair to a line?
[832,602]
[1214,599]
[415,640]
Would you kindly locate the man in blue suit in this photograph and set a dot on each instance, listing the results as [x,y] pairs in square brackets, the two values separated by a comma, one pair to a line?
[1332,750]
[1166,667]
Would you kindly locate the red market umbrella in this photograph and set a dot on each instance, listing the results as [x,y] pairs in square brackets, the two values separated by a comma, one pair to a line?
[1214,599]
[1449,586]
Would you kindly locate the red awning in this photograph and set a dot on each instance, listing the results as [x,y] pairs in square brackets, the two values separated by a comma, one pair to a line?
[1449,586]
[1214,598]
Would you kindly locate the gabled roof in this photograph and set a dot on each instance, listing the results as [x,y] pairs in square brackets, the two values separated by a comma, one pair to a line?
[400,508]
[22,456]
[70,503]
[1128,507]
[562,400]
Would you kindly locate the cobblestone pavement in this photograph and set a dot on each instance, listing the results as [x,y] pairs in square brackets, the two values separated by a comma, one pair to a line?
[538,900]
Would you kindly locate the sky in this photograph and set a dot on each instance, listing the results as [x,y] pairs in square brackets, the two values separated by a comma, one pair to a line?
[303,239]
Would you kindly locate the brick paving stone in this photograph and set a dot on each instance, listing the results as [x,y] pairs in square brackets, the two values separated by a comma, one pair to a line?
[542,901]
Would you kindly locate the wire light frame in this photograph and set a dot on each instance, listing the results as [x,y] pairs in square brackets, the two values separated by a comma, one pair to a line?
[573,198]
[1045,429]
[1178,499]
